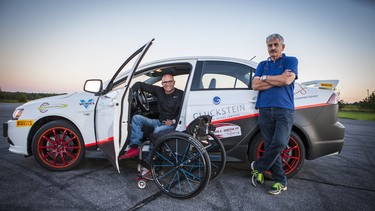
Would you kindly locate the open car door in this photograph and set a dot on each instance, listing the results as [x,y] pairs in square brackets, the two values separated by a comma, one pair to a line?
[111,116]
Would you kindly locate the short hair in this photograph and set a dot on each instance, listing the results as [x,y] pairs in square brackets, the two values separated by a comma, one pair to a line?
[275,36]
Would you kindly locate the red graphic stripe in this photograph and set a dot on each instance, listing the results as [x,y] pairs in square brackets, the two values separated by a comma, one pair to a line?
[311,106]
[100,142]
[236,118]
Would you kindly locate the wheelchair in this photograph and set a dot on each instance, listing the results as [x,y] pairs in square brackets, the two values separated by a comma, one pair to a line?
[182,163]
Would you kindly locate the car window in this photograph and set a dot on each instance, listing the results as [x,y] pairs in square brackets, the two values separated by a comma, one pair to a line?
[221,75]
[221,81]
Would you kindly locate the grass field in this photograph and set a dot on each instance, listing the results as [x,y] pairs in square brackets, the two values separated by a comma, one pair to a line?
[354,112]
[357,115]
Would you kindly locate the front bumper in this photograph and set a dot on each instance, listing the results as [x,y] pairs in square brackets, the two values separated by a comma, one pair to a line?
[16,137]
[5,133]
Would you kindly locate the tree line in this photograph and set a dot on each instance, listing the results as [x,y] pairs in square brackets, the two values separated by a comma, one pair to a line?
[22,97]
[367,103]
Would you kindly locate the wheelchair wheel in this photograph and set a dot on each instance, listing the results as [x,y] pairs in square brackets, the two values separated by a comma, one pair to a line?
[216,152]
[180,165]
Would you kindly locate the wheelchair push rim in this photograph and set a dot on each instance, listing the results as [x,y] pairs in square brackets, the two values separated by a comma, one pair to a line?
[180,165]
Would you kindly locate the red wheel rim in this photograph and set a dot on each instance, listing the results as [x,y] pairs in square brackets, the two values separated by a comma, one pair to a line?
[290,156]
[59,147]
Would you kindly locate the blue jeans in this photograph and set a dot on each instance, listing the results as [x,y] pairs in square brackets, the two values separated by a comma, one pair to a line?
[275,125]
[138,122]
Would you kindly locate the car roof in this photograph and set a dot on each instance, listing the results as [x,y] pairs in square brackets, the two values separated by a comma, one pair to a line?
[200,58]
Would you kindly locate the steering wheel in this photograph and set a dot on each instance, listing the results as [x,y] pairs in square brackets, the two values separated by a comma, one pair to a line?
[140,100]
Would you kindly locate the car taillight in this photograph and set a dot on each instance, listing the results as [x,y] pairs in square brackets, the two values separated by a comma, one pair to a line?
[333,99]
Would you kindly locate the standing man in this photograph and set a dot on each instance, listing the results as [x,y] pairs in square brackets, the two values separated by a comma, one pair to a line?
[274,79]
[169,106]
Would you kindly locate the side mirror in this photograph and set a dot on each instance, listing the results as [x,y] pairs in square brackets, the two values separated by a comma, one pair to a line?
[93,86]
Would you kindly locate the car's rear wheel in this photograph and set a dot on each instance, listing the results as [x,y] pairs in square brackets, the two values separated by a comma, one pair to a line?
[58,146]
[292,156]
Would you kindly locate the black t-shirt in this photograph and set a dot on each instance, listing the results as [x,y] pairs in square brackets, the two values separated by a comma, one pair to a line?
[169,105]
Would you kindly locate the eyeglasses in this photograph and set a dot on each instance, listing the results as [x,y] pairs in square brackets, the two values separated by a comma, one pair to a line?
[167,82]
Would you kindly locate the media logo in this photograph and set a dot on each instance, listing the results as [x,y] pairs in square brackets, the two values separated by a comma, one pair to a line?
[86,104]
[46,106]
[216,100]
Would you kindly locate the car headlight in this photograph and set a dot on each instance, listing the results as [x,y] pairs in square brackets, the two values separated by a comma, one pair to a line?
[17,113]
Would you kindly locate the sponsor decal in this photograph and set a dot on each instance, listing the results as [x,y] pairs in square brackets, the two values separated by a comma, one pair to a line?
[326,85]
[216,100]
[46,106]
[86,104]
[300,89]
[227,130]
[24,123]
[305,97]
[222,112]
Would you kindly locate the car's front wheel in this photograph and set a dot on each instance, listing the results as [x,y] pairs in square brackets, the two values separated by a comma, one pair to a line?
[58,146]
[292,156]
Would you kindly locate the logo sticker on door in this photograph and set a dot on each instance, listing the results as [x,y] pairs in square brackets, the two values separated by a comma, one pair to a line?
[216,100]
[86,104]
[226,130]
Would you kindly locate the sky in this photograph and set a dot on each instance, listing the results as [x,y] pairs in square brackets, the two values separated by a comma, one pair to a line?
[49,46]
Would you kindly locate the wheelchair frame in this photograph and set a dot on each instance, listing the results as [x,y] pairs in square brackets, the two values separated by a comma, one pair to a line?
[183,163]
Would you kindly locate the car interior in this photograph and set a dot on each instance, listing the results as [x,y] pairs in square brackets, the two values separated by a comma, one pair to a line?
[144,103]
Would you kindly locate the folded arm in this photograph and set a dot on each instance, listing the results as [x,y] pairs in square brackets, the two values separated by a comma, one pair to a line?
[270,81]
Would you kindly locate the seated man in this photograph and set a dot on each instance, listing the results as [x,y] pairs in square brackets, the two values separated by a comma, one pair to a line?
[169,105]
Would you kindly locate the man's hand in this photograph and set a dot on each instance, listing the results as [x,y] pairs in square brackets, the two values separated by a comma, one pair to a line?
[287,73]
[258,84]
[169,122]
[286,78]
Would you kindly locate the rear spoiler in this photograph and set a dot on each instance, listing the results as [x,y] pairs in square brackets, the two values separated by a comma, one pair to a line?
[322,84]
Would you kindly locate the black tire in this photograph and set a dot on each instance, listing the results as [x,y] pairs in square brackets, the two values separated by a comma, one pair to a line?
[180,165]
[58,146]
[216,152]
[292,157]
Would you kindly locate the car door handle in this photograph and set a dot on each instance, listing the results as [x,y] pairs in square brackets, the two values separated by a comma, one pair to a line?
[109,101]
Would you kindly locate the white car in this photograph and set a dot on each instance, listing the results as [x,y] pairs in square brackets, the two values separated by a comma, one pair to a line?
[58,130]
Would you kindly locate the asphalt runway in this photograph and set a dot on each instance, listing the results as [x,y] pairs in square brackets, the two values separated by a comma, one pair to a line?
[340,182]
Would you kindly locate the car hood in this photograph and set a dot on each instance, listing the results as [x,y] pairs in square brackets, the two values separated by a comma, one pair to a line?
[52,98]
[61,100]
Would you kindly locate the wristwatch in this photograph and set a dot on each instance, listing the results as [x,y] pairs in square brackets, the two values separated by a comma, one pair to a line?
[263,78]
[174,121]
